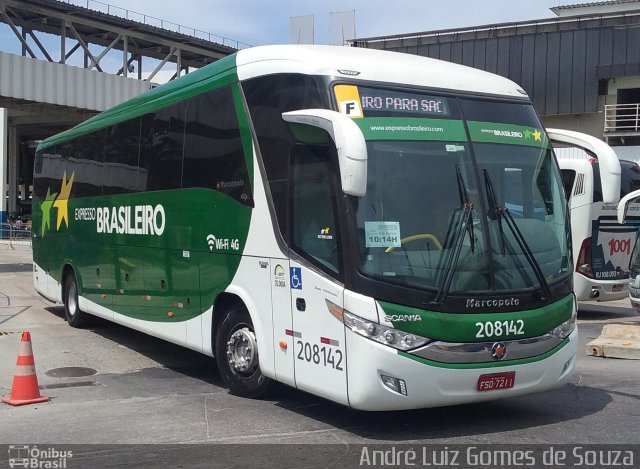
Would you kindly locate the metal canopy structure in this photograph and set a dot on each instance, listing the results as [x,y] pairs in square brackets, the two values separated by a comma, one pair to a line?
[69,62]
[86,27]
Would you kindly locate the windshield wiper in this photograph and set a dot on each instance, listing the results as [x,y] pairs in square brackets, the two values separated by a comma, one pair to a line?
[502,213]
[465,223]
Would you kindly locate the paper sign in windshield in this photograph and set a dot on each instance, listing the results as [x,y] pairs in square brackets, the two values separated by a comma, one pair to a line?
[382,234]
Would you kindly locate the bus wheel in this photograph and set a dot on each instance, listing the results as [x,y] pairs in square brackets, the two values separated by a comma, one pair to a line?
[72,312]
[237,355]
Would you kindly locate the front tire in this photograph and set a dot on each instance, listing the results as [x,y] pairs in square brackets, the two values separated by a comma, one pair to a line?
[72,312]
[237,355]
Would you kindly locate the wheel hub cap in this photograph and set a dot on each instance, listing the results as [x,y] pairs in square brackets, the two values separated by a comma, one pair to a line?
[242,351]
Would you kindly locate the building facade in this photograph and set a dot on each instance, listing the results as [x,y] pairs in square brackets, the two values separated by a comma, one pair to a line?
[581,68]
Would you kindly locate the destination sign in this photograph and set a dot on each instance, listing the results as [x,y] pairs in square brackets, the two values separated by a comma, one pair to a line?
[376,101]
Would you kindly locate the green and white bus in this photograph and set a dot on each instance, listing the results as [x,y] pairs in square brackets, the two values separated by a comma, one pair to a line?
[382,230]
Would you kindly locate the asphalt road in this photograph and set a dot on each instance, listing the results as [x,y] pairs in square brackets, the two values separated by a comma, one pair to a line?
[111,385]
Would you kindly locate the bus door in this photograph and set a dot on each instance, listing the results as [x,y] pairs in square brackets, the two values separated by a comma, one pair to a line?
[313,276]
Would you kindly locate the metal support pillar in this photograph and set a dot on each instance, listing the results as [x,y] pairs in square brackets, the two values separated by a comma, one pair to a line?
[12,153]
[3,163]
[63,42]
[125,54]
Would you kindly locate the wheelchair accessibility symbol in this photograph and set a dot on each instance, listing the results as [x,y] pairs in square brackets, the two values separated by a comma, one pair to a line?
[296,278]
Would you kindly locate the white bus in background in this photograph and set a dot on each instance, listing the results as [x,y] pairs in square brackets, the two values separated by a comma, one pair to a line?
[627,204]
[594,181]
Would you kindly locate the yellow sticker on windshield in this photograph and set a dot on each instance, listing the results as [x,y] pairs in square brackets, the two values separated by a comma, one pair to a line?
[348,99]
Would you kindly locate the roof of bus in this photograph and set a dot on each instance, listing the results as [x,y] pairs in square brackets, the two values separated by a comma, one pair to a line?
[363,64]
[371,64]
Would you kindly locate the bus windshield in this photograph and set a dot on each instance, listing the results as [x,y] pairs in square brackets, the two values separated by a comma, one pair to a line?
[464,196]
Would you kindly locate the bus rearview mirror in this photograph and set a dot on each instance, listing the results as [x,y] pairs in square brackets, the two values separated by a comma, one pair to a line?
[349,141]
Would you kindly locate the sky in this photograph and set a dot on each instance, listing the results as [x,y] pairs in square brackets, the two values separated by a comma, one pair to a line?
[258,22]
[246,23]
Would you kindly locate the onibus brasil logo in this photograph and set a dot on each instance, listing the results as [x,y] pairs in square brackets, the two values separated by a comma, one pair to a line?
[28,456]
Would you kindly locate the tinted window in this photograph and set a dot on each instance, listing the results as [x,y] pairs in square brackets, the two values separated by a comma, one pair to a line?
[49,170]
[630,177]
[568,177]
[147,153]
[66,150]
[484,111]
[121,157]
[213,153]
[597,183]
[88,165]
[161,148]
[268,97]
[314,230]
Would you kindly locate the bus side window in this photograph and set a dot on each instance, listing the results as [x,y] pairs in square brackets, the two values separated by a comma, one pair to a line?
[89,164]
[268,97]
[313,224]
[121,152]
[630,180]
[161,148]
[213,152]
[597,182]
[568,177]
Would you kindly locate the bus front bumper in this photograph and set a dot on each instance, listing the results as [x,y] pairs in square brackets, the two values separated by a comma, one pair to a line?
[634,294]
[429,385]
[588,289]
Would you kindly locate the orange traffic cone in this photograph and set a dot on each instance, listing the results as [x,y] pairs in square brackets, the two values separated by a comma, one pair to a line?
[25,382]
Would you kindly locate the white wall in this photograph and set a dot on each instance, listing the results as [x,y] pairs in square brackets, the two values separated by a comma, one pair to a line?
[53,83]
[591,123]
[631,153]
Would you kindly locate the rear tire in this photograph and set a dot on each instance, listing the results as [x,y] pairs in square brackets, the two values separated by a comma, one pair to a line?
[72,312]
[237,355]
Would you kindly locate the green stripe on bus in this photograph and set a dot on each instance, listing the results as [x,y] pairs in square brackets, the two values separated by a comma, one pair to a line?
[492,132]
[463,326]
[411,128]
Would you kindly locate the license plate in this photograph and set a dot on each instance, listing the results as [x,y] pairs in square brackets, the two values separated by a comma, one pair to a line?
[495,381]
[618,287]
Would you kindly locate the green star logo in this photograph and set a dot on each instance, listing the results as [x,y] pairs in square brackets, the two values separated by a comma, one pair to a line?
[46,209]
[62,202]
[527,134]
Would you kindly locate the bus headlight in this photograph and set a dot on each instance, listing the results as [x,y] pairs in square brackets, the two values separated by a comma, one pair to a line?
[385,335]
[567,327]
[372,330]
